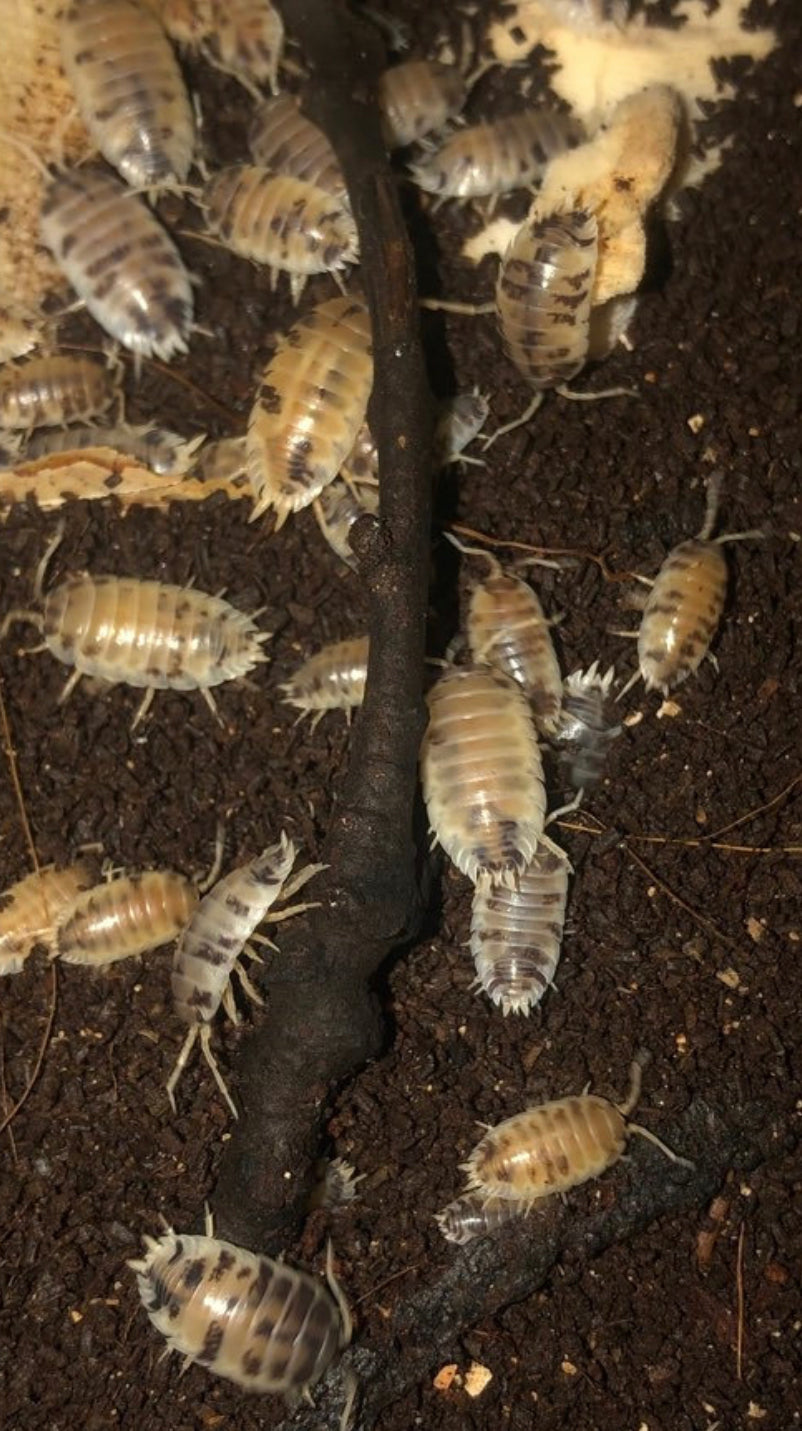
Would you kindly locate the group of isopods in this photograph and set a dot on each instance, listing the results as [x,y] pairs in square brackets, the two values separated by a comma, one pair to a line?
[259,1322]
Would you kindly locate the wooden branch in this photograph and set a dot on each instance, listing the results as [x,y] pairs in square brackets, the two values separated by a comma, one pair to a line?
[322,1023]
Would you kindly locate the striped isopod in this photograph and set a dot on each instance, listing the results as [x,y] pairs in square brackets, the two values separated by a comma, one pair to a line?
[337,509]
[129,89]
[684,605]
[556,1146]
[418,97]
[160,450]
[507,629]
[120,261]
[247,40]
[491,159]
[284,140]
[311,404]
[124,917]
[472,1216]
[144,634]
[215,938]
[287,224]
[516,934]
[543,297]
[482,775]
[46,392]
[265,1325]
[31,910]
[331,680]
[584,733]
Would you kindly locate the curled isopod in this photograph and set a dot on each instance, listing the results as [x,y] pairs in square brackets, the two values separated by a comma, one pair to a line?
[482,775]
[337,509]
[159,449]
[287,224]
[129,89]
[262,1324]
[486,160]
[282,139]
[331,680]
[556,1146]
[130,915]
[144,634]
[212,943]
[418,97]
[311,404]
[472,1216]
[507,629]
[584,732]
[31,910]
[46,392]
[120,261]
[247,40]
[516,934]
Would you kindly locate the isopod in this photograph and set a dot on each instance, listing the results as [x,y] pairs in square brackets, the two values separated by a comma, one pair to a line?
[126,916]
[487,160]
[287,224]
[472,1216]
[120,261]
[507,629]
[589,14]
[684,606]
[144,634]
[417,97]
[222,461]
[247,40]
[337,509]
[556,1146]
[482,775]
[331,680]
[310,406]
[282,139]
[460,420]
[516,934]
[159,449]
[46,392]
[129,89]
[211,945]
[584,732]
[30,911]
[265,1325]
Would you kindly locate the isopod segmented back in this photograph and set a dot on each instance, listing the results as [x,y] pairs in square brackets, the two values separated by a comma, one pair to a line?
[333,679]
[248,39]
[543,297]
[547,1149]
[681,614]
[284,140]
[516,934]
[472,1216]
[337,509]
[32,909]
[417,97]
[49,391]
[507,629]
[584,732]
[490,159]
[125,917]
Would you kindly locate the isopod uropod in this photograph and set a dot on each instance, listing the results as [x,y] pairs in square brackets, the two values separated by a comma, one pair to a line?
[124,917]
[482,775]
[331,680]
[417,97]
[46,392]
[284,140]
[120,261]
[584,732]
[215,938]
[310,406]
[265,1325]
[491,159]
[129,89]
[31,910]
[516,934]
[142,633]
[556,1146]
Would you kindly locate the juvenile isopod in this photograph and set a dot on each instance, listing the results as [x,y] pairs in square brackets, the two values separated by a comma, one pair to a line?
[265,1325]
[120,261]
[507,629]
[310,406]
[130,915]
[482,775]
[516,934]
[584,732]
[214,940]
[487,160]
[129,89]
[418,97]
[337,509]
[331,680]
[282,139]
[684,605]
[472,1216]
[144,634]
[556,1146]
[46,392]
[247,40]
[31,910]
[287,224]
[459,421]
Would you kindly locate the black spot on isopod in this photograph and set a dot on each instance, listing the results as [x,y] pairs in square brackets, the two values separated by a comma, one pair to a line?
[212,1342]
[269,398]
[225,1260]
[251,1364]
[193,1275]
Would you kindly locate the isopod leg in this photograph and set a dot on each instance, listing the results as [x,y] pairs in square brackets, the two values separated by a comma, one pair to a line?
[658,1143]
[143,707]
[519,421]
[596,397]
[229,1006]
[250,990]
[205,1039]
[303,876]
[180,1064]
[69,687]
[210,701]
[634,678]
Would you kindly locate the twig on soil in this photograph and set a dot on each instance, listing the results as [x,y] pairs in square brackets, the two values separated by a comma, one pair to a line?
[759,810]
[702,843]
[579,552]
[11,756]
[323,1022]
[739,1290]
[40,1057]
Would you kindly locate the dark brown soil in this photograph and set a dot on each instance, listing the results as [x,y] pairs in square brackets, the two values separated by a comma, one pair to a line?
[694,954]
